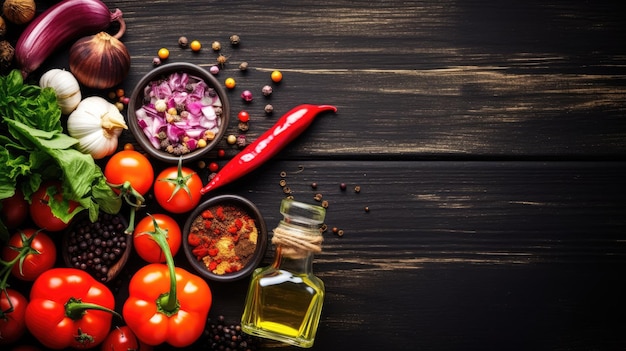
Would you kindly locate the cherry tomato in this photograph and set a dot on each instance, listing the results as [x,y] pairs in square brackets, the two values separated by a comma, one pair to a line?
[42,255]
[131,166]
[12,316]
[177,189]
[14,210]
[120,339]
[40,211]
[146,247]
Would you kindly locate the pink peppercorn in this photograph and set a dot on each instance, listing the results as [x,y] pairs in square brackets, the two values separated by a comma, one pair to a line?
[214,69]
[246,95]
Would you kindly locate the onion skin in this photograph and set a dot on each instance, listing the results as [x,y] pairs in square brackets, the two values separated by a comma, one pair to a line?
[100,61]
[65,21]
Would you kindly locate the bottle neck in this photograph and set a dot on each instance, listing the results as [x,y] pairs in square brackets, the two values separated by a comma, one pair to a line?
[299,265]
[295,247]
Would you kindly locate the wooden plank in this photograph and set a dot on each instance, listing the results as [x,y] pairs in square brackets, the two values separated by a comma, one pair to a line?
[414,79]
[520,255]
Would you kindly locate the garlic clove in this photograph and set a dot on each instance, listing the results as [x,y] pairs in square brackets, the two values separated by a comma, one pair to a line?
[97,124]
[65,86]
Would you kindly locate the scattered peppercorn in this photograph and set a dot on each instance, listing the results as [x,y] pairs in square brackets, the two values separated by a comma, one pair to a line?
[243,126]
[243,66]
[342,186]
[216,46]
[267,90]
[163,53]
[340,232]
[357,189]
[325,204]
[276,76]
[317,197]
[269,109]
[230,83]
[286,190]
[283,174]
[282,182]
[231,139]
[213,166]
[335,230]
[234,39]
[221,60]
[221,153]
[219,335]
[367,209]
[156,61]
[183,42]
[243,116]
[246,95]
[241,141]
[195,46]
[214,70]
[314,185]
[324,227]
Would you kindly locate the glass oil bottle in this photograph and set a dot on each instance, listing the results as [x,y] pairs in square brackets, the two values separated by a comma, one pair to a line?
[284,300]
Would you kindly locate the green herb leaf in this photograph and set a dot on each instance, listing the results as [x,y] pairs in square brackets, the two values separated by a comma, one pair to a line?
[33,148]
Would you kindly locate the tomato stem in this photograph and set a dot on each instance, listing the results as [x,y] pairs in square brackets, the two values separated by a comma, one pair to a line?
[167,303]
[180,181]
[133,198]
[23,251]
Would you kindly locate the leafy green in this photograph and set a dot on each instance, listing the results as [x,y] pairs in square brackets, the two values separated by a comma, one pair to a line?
[33,148]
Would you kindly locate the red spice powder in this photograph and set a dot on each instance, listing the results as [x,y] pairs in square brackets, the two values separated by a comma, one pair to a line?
[224,237]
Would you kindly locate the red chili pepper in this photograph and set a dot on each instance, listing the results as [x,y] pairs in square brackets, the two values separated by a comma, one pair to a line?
[287,128]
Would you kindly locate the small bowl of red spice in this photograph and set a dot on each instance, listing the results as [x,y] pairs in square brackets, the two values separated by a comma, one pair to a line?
[225,238]
[178,110]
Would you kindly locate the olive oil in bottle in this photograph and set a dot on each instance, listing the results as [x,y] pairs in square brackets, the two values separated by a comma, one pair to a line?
[285,299]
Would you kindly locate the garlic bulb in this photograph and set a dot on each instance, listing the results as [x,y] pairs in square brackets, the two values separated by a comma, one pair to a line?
[65,86]
[97,124]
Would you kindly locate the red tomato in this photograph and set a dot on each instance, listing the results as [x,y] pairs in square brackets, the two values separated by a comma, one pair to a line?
[40,211]
[178,192]
[130,166]
[146,247]
[12,324]
[14,210]
[42,255]
[120,339]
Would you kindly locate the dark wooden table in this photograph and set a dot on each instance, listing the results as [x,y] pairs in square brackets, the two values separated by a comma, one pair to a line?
[489,142]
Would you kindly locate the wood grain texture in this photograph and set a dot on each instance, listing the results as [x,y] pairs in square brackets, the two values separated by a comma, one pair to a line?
[489,140]
[419,79]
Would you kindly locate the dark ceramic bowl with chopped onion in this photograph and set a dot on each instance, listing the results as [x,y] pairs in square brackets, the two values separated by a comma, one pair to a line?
[225,238]
[178,110]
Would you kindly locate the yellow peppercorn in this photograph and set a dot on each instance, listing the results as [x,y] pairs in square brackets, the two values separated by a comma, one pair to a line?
[172,111]
[163,53]
[277,76]
[230,83]
[231,139]
[195,45]
[209,135]
[201,143]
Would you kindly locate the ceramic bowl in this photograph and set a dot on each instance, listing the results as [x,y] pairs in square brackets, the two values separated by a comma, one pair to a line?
[225,246]
[138,100]
[82,231]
